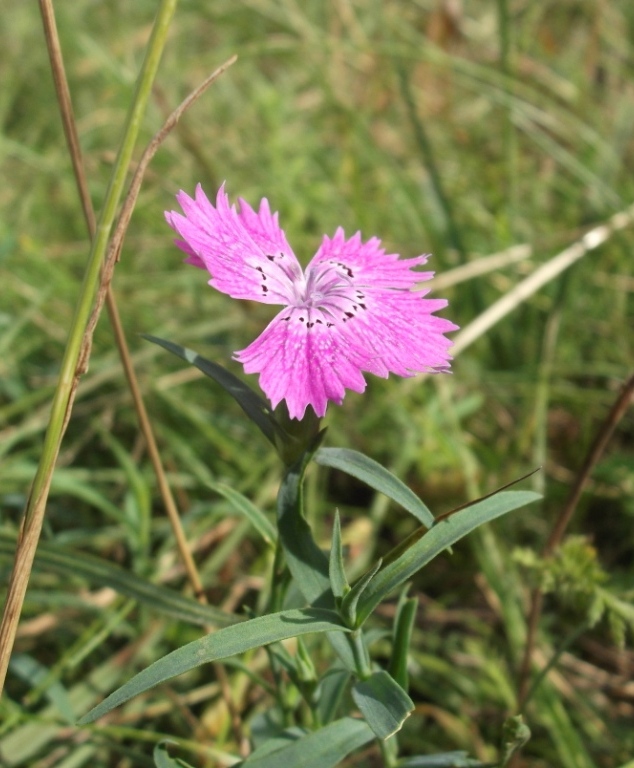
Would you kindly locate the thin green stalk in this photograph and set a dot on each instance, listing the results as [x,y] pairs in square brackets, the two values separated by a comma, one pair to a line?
[90,638]
[77,349]
[279,580]
[63,394]
[568,641]
[360,654]
[389,751]
[542,390]
[277,591]
[280,691]
[510,137]
[429,158]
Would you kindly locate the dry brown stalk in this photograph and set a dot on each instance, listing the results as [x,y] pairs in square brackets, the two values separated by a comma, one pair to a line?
[28,538]
[594,455]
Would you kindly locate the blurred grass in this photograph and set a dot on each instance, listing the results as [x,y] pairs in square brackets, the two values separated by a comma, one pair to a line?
[526,112]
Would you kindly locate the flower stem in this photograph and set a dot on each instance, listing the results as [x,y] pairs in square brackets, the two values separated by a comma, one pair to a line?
[360,654]
[389,751]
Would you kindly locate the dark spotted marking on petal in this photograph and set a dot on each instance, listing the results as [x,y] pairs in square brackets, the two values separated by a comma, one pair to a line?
[264,277]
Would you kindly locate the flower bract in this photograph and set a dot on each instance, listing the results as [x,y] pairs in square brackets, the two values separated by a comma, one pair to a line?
[352,310]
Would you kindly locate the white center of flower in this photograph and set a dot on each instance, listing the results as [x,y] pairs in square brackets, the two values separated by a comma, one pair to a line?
[329,288]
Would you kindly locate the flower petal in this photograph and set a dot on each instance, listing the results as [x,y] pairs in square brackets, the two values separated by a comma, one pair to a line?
[397,333]
[368,262]
[389,326]
[245,252]
[304,359]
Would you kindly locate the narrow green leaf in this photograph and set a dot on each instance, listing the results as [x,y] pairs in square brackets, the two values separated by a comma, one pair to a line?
[324,748]
[434,541]
[444,760]
[305,667]
[39,735]
[34,673]
[383,703]
[219,645]
[308,564]
[268,736]
[258,519]
[332,686]
[349,603]
[255,407]
[299,666]
[338,581]
[403,626]
[376,476]
[162,758]
[94,570]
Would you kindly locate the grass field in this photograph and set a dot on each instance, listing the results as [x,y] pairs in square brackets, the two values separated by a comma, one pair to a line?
[493,136]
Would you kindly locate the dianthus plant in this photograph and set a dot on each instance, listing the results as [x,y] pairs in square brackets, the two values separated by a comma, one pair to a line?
[354,309]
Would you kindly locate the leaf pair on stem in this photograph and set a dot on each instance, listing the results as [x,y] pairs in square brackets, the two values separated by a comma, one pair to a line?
[334,606]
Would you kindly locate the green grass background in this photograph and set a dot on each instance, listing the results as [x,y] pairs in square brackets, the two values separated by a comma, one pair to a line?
[459,129]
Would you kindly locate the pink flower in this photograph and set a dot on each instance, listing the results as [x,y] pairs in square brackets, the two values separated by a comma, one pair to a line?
[352,310]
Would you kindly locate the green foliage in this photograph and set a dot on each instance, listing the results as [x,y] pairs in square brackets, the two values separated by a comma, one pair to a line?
[402,639]
[219,645]
[254,405]
[321,749]
[515,734]
[336,569]
[376,476]
[575,577]
[95,571]
[162,758]
[408,558]
[446,760]
[383,703]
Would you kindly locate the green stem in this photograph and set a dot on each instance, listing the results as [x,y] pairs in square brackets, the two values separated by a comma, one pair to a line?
[275,603]
[389,747]
[99,245]
[360,654]
[510,136]
[279,579]
[280,690]
[389,751]
[62,401]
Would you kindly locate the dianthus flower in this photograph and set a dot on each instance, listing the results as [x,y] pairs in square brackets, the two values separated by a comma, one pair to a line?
[352,310]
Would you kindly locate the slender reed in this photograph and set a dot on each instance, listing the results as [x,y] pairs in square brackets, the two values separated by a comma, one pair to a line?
[70,131]
[73,359]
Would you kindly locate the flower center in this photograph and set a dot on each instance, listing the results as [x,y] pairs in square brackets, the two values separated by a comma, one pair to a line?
[329,286]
